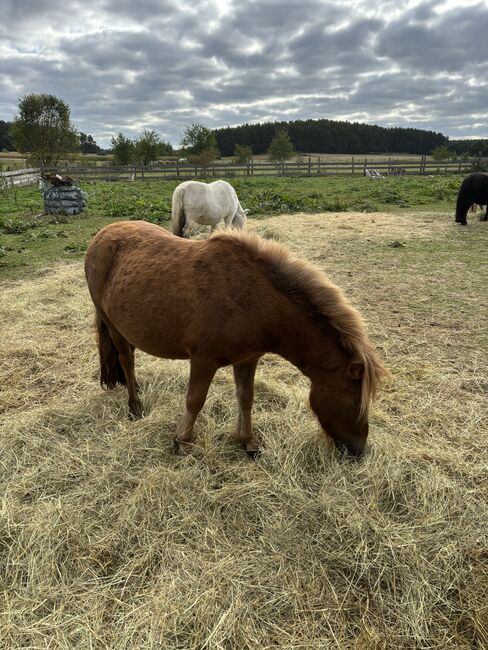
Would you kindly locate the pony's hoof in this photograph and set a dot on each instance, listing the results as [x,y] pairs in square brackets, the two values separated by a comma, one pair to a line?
[252,448]
[136,410]
[463,223]
[182,448]
[253,453]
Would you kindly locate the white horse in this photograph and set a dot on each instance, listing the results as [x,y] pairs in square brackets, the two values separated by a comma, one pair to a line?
[206,204]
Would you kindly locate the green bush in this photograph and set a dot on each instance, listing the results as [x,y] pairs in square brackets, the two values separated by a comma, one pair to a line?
[15,226]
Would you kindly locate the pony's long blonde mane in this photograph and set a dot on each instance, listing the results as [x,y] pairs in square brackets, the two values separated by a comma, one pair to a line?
[327,298]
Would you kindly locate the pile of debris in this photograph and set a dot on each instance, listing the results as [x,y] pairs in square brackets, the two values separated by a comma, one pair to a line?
[61,196]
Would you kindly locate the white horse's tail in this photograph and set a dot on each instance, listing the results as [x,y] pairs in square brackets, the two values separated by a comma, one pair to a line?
[177,213]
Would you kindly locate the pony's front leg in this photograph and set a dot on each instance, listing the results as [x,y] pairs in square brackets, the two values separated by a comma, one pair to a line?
[244,379]
[202,372]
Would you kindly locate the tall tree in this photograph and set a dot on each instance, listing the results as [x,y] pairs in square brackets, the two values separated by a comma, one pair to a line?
[43,128]
[199,143]
[281,146]
[122,149]
[147,147]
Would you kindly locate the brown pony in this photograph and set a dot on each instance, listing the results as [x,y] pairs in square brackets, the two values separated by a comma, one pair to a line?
[227,301]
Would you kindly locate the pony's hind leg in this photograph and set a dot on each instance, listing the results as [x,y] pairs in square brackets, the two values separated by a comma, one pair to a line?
[202,372]
[126,359]
[244,379]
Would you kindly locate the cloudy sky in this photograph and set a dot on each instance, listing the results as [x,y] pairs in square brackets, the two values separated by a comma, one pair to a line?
[129,65]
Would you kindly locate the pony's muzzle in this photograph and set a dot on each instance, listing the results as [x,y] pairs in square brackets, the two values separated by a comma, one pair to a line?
[351,451]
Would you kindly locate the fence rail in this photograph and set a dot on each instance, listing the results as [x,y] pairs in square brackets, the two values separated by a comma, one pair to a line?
[19,178]
[307,167]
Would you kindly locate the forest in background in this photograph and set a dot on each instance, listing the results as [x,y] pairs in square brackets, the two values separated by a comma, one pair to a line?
[317,136]
[330,136]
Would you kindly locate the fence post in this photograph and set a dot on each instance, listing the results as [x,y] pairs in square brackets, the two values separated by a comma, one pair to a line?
[318,167]
[365,165]
[309,165]
[353,166]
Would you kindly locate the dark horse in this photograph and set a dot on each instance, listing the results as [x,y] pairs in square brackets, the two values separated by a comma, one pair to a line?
[474,189]
[227,301]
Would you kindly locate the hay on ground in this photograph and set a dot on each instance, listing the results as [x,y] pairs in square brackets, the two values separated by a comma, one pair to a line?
[110,540]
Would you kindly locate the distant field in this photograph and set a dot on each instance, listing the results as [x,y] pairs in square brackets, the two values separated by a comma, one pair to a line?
[110,540]
[17,159]
[12,160]
[346,157]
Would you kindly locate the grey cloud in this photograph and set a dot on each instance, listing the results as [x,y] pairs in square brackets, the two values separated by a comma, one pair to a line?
[451,41]
[161,64]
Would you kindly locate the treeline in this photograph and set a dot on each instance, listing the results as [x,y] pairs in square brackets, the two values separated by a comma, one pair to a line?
[469,147]
[329,136]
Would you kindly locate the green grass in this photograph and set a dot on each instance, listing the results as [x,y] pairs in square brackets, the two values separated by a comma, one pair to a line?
[28,242]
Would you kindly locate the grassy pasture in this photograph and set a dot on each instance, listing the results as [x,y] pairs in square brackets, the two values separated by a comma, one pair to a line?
[28,243]
[110,540]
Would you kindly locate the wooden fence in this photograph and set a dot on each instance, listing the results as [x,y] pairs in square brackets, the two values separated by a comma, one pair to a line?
[174,170]
[19,178]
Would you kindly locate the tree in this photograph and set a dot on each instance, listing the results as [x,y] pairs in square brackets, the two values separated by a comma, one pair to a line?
[122,149]
[441,153]
[199,143]
[281,146]
[88,144]
[243,153]
[5,141]
[165,149]
[147,147]
[44,129]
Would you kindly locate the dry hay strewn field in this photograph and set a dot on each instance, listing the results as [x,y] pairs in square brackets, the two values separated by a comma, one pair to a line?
[110,540]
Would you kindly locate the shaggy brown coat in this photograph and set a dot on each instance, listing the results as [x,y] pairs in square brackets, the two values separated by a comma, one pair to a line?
[227,301]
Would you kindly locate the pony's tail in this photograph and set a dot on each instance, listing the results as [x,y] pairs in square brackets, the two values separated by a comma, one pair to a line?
[462,206]
[111,372]
[177,213]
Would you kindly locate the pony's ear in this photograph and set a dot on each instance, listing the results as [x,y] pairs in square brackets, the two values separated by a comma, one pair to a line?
[356,370]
